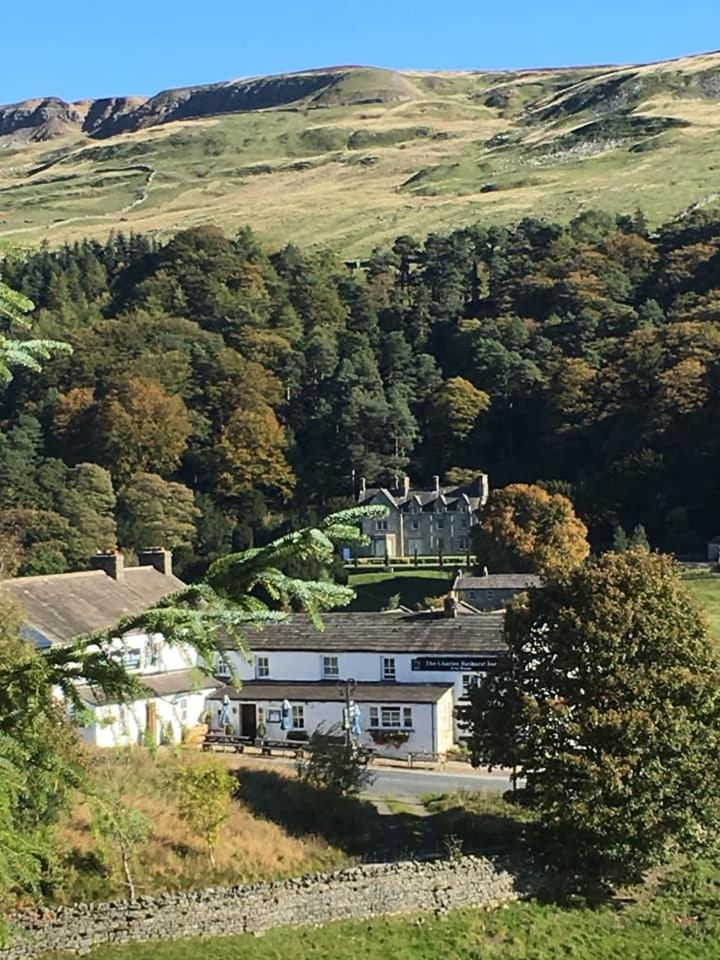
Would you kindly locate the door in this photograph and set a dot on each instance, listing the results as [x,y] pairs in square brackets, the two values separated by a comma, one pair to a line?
[248,720]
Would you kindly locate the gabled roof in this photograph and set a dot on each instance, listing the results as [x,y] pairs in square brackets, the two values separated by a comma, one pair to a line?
[323,691]
[498,581]
[167,684]
[391,632]
[64,605]
[473,494]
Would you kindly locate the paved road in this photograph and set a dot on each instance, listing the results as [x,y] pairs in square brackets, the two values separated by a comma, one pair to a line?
[393,782]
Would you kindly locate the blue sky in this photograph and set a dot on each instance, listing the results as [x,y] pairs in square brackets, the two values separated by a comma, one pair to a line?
[79,48]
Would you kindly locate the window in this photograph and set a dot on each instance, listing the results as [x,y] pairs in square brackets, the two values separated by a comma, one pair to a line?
[183,710]
[298,717]
[262,667]
[414,524]
[130,658]
[462,542]
[222,667]
[330,667]
[440,524]
[469,681]
[381,525]
[463,523]
[391,718]
[388,668]
[154,652]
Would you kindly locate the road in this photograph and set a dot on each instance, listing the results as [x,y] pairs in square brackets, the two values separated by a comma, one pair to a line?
[394,782]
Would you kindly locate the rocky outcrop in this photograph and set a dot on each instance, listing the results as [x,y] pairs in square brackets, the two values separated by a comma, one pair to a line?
[46,119]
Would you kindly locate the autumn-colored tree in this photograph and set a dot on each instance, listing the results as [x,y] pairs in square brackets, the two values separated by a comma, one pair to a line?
[250,453]
[525,529]
[153,512]
[608,703]
[141,428]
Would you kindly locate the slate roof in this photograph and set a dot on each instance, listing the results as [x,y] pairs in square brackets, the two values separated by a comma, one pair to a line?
[498,581]
[165,684]
[471,494]
[390,632]
[325,692]
[64,605]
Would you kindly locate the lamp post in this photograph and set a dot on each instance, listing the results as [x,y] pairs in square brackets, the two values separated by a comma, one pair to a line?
[347,688]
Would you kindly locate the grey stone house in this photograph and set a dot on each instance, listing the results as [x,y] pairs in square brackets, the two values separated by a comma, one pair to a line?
[492,591]
[422,521]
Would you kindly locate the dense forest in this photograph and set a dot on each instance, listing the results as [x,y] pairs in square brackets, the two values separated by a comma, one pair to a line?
[218,391]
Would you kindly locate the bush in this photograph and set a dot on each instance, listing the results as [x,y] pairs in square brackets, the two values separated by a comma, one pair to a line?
[332,765]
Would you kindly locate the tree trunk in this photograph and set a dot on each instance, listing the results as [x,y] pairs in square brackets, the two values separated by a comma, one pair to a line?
[128,876]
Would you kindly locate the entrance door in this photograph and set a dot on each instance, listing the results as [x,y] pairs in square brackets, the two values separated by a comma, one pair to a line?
[248,720]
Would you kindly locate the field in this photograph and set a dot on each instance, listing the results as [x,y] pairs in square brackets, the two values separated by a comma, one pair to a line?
[706,588]
[355,171]
[680,920]
[376,590]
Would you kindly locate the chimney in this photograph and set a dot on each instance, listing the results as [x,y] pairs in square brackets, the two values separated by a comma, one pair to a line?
[111,561]
[363,488]
[157,557]
[450,605]
[406,486]
[436,484]
[483,488]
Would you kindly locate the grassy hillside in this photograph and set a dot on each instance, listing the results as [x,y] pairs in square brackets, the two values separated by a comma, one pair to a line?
[374,154]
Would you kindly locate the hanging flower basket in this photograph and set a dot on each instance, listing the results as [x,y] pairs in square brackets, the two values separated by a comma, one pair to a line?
[390,738]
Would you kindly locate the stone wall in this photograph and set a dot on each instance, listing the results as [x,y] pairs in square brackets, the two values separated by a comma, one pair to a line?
[356,893]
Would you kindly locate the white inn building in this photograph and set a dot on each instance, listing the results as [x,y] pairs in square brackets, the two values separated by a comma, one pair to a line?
[410,670]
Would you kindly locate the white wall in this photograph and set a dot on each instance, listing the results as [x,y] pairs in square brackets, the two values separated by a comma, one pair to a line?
[155,655]
[118,725]
[363,667]
[431,731]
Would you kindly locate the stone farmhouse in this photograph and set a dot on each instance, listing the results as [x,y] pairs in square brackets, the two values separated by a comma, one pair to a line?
[492,591]
[410,671]
[422,522]
[63,606]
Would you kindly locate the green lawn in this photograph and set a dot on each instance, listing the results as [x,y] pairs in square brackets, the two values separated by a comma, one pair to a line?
[374,590]
[706,588]
[681,921]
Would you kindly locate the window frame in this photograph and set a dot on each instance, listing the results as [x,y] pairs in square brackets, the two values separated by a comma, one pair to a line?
[330,675]
[262,667]
[298,716]
[389,676]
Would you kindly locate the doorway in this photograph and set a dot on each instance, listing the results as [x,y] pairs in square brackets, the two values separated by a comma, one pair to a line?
[248,720]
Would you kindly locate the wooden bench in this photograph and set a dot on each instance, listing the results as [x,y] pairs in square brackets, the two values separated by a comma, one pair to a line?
[225,741]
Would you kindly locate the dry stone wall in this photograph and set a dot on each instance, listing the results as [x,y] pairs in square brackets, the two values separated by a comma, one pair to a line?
[357,893]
